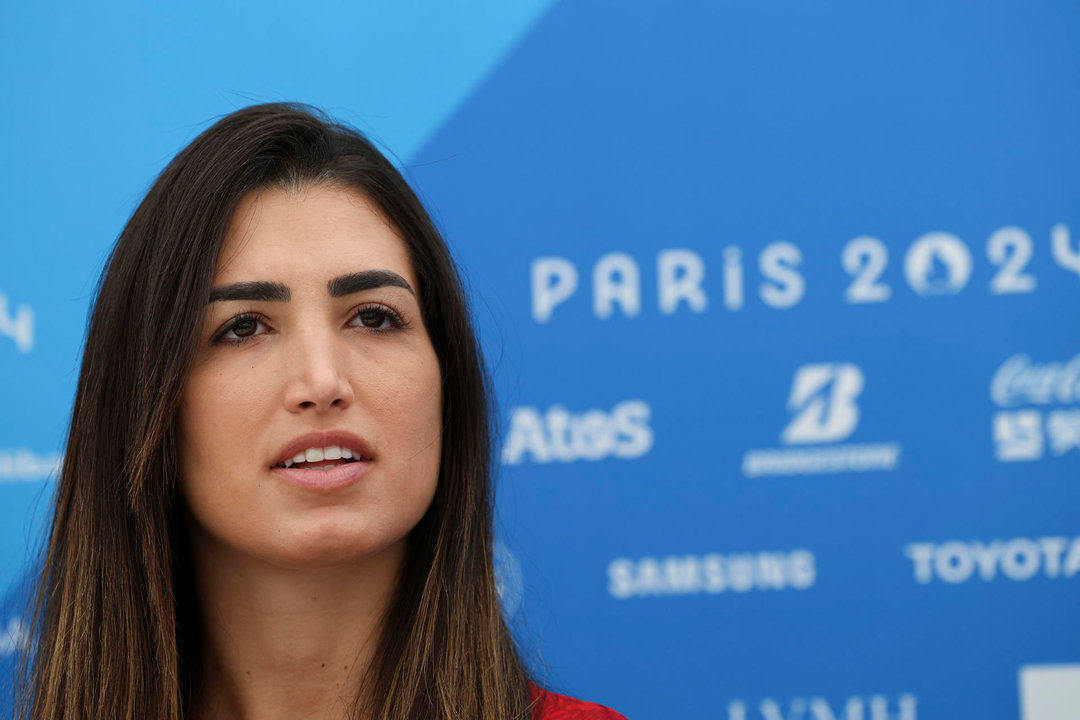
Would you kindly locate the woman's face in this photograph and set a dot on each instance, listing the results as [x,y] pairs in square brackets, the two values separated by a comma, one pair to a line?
[313,349]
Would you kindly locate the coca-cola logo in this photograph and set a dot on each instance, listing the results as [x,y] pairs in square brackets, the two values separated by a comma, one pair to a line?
[1019,381]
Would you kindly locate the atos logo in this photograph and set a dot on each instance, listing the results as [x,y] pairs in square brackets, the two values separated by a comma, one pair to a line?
[558,435]
[823,402]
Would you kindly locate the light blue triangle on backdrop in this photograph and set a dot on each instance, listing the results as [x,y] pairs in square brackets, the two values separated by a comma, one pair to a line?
[97,98]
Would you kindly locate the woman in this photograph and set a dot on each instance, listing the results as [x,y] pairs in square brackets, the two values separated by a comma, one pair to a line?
[275,500]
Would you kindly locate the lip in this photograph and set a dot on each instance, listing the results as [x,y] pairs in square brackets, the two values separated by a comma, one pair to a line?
[342,438]
[337,477]
[332,479]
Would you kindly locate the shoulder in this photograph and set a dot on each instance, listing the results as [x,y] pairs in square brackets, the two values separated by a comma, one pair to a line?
[552,706]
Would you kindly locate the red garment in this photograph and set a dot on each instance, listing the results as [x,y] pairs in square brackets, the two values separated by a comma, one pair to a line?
[552,706]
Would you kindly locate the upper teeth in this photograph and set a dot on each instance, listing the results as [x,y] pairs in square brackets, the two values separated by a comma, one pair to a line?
[316,454]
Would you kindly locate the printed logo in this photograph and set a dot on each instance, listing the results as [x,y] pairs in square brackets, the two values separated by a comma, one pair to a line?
[823,400]
[938,263]
[17,324]
[1049,692]
[616,282]
[1026,434]
[935,264]
[22,465]
[855,707]
[558,435]
[1018,559]
[711,574]
[509,584]
[823,403]
[14,637]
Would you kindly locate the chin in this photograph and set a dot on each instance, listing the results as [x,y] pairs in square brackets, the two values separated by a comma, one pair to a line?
[329,543]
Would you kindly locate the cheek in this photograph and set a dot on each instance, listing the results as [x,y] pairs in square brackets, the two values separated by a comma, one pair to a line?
[410,422]
[218,420]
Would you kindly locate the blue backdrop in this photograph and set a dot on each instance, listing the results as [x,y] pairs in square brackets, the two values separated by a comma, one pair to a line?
[780,299]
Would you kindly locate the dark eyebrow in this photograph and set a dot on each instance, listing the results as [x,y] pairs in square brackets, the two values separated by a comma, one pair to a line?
[268,291]
[260,290]
[366,280]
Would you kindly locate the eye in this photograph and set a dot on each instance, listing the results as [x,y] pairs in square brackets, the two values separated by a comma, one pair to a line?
[241,329]
[379,318]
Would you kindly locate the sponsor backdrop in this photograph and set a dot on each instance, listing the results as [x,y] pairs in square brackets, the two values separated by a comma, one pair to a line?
[781,301]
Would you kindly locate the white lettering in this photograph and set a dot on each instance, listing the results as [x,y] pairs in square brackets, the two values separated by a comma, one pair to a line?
[526,435]
[936,263]
[22,465]
[921,554]
[593,435]
[770,710]
[679,276]
[986,557]
[1052,549]
[1018,559]
[734,295]
[1011,249]
[14,637]
[1020,382]
[1072,560]
[881,707]
[810,461]
[554,279]
[561,436]
[712,570]
[865,258]
[560,442]
[616,280]
[802,569]
[821,710]
[778,263]
[19,325]
[713,573]
[631,421]
[621,578]
[1061,249]
[953,562]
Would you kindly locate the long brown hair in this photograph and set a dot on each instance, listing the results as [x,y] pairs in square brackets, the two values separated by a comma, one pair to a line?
[116,631]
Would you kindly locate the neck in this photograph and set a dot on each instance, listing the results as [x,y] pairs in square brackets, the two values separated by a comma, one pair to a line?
[287,642]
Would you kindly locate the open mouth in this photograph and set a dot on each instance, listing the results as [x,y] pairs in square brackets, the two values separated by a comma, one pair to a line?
[316,465]
[323,451]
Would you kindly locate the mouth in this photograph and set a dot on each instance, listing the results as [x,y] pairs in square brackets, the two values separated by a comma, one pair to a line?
[323,451]
[316,465]
[322,474]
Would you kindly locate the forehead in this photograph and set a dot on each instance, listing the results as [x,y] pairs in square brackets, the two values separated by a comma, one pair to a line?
[320,231]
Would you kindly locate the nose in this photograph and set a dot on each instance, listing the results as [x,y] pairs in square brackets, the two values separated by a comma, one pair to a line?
[319,370]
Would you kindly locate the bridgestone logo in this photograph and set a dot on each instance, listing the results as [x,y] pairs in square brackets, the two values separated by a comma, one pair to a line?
[809,461]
